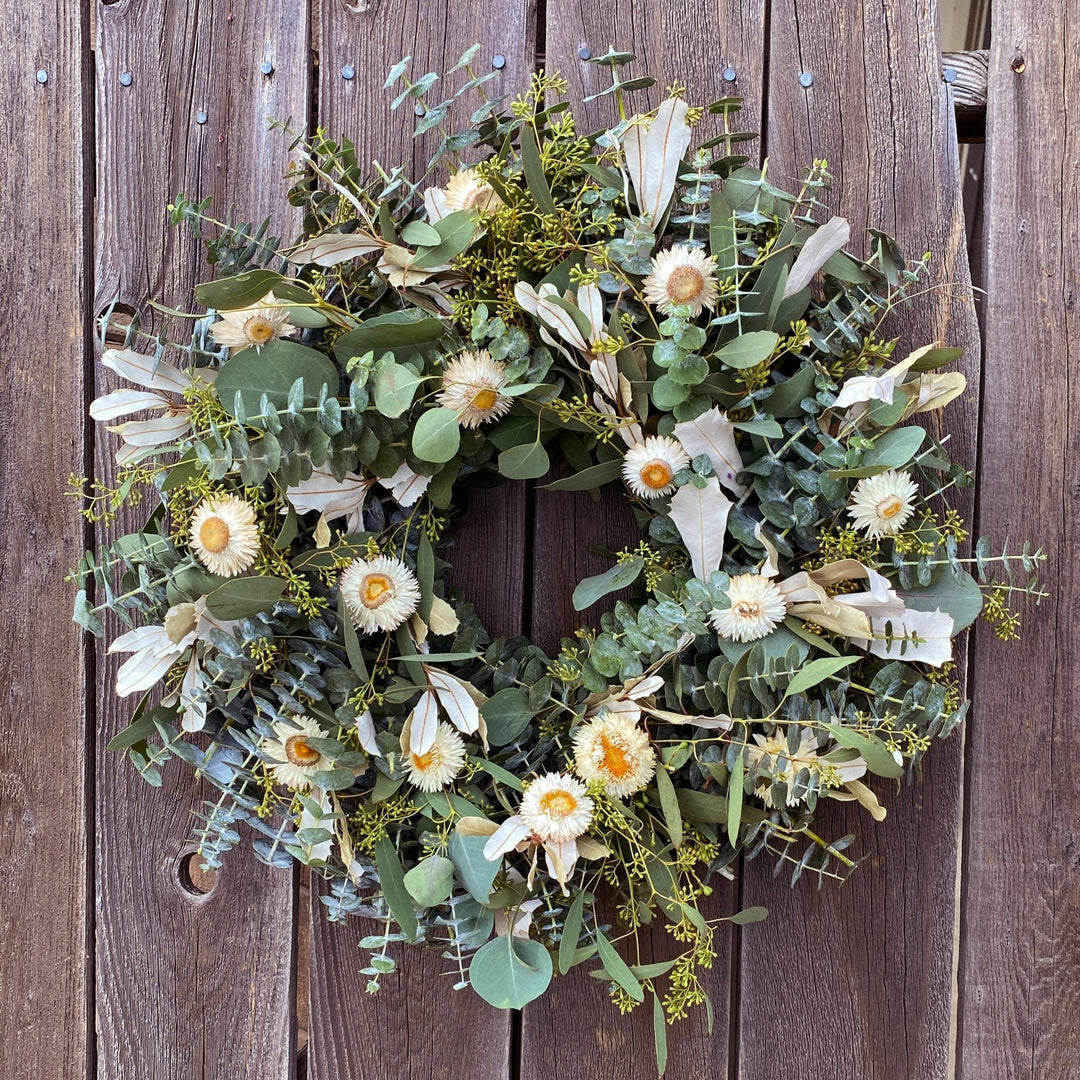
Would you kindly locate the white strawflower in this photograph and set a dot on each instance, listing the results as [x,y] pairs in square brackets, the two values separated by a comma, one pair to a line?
[614,749]
[881,505]
[380,593]
[682,275]
[293,759]
[255,325]
[467,191]
[433,770]
[224,536]
[757,608]
[471,386]
[649,468]
[555,807]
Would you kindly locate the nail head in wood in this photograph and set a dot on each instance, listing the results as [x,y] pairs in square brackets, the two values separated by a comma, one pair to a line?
[584,52]
[200,117]
[267,68]
[348,72]
[418,109]
[729,74]
[125,78]
[498,61]
[806,80]
[42,76]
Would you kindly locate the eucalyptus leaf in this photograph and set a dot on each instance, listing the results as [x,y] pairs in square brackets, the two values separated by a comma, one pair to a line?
[475,872]
[962,599]
[392,879]
[747,350]
[618,969]
[437,435]
[507,715]
[431,880]
[873,751]
[509,972]
[617,577]
[526,462]
[894,449]
[395,388]
[238,291]
[271,371]
[817,671]
[397,332]
[244,596]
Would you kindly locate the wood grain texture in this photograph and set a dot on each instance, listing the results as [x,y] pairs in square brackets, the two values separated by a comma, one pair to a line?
[370,36]
[690,42]
[182,993]
[45,198]
[427,1031]
[575,1030]
[1021,916]
[875,958]
[966,74]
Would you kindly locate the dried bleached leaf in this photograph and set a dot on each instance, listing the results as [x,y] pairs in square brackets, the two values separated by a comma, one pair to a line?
[653,155]
[816,252]
[713,435]
[700,515]
[330,249]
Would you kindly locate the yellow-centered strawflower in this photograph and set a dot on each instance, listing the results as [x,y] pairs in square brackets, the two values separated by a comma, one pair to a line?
[379,593]
[440,763]
[682,276]
[649,468]
[881,505]
[292,758]
[466,190]
[757,608]
[255,325]
[472,386]
[224,535]
[616,750]
[555,807]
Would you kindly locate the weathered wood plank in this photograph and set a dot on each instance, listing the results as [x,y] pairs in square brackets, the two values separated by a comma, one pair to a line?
[190,984]
[45,198]
[700,44]
[875,958]
[1021,915]
[428,1032]
[966,74]
[575,1030]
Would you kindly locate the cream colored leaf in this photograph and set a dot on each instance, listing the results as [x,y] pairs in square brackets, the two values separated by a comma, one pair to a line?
[867,798]
[713,435]
[455,699]
[334,248]
[720,722]
[146,370]
[442,618]
[424,721]
[588,848]
[653,157]
[475,826]
[406,486]
[816,252]
[700,515]
[924,637]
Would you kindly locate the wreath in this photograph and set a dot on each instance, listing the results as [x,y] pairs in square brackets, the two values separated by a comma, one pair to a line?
[673,323]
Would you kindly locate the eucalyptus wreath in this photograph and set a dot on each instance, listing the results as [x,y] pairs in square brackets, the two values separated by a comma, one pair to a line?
[668,321]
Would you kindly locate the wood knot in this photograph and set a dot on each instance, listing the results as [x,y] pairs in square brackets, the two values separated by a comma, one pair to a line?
[192,878]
